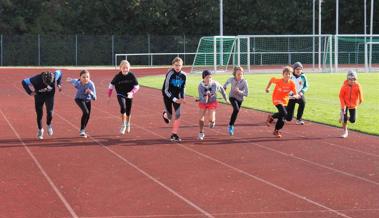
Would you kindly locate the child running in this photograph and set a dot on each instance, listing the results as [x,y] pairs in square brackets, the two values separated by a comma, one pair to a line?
[350,97]
[42,87]
[85,93]
[280,98]
[173,95]
[238,92]
[126,85]
[208,100]
[302,85]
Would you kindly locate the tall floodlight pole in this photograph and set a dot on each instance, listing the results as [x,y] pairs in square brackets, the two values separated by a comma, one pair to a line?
[319,34]
[371,25]
[221,33]
[313,34]
[336,37]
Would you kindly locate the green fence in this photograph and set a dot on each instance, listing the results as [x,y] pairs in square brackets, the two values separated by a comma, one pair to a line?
[73,50]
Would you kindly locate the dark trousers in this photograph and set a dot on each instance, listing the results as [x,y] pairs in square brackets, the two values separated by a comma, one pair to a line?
[85,106]
[125,104]
[281,116]
[352,113]
[39,101]
[236,104]
[291,108]
[168,107]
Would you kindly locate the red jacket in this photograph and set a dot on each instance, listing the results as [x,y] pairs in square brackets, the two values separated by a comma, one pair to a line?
[351,96]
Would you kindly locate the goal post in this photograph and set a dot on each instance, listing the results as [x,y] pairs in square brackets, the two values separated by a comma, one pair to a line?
[213,53]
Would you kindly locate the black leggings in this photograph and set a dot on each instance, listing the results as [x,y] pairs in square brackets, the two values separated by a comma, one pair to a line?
[291,108]
[236,108]
[85,106]
[281,116]
[352,113]
[125,104]
[168,108]
[39,101]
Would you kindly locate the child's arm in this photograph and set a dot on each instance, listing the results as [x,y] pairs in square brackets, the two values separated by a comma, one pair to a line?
[245,91]
[74,82]
[134,91]
[342,100]
[110,89]
[305,87]
[201,93]
[222,91]
[91,90]
[27,84]
[360,95]
[58,78]
[268,85]
[226,84]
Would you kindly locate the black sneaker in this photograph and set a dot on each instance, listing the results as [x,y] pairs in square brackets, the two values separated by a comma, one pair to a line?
[175,138]
[166,120]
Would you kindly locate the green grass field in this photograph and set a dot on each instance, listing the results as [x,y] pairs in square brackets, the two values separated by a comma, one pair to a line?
[322,97]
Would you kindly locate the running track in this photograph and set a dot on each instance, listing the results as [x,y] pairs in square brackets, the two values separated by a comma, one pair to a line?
[308,173]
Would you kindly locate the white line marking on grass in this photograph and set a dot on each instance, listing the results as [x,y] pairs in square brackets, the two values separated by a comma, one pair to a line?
[172,191]
[47,177]
[244,172]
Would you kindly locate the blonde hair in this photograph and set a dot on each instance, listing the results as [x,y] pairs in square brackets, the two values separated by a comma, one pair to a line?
[287,69]
[236,68]
[177,59]
[124,62]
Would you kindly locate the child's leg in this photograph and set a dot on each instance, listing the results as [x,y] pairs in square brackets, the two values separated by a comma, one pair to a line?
[168,107]
[236,108]
[281,115]
[88,105]
[300,110]
[49,102]
[128,103]
[122,102]
[212,117]
[82,105]
[201,120]
[176,123]
[38,104]
[352,113]
[290,109]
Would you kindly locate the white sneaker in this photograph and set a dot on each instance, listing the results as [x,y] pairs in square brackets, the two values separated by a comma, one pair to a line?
[345,134]
[201,136]
[299,122]
[123,129]
[50,131]
[40,134]
[83,133]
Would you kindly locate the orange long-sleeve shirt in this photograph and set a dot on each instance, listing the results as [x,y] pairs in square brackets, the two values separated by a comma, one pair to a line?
[351,95]
[281,91]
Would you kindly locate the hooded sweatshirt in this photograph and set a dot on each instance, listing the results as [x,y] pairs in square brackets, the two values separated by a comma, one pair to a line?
[350,96]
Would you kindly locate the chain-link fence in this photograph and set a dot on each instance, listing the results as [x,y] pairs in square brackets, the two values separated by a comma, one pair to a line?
[84,50]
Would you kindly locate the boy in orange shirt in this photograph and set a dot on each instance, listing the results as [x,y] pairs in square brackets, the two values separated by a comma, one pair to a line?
[280,98]
[350,97]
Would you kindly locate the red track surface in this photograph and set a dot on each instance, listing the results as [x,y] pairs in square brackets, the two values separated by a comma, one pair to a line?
[310,172]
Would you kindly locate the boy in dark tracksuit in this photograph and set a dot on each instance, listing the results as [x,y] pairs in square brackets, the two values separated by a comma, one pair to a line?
[173,95]
[43,91]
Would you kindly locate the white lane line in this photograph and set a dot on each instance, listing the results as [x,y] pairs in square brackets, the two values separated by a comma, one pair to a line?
[243,172]
[207,214]
[238,214]
[47,177]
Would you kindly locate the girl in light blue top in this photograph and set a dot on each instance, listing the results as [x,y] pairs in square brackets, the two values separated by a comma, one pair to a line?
[85,93]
